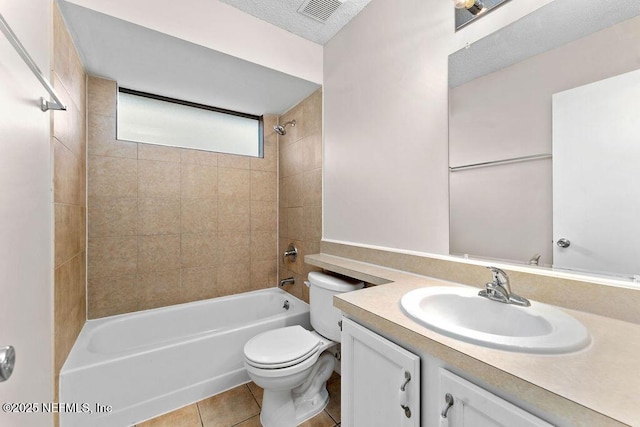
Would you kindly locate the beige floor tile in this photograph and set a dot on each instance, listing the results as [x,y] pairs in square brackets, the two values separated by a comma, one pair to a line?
[184,417]
[229,408]
[257,392]
[333,407]
[321,420]
[251,422]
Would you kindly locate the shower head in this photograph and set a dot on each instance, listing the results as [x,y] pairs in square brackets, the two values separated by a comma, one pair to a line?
[280,129]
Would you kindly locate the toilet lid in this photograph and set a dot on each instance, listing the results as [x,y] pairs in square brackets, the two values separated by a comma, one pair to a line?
[281,347]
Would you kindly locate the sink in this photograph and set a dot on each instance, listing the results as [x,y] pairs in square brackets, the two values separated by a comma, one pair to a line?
[460,313]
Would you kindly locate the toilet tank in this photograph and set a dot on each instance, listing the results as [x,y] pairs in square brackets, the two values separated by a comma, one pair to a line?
[324,316]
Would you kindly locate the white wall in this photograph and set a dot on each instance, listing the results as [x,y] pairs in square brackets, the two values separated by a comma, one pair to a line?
[386,122]
[25,213]
[221,27]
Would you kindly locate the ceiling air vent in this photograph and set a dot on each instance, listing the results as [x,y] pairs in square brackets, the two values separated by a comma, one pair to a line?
[320,10]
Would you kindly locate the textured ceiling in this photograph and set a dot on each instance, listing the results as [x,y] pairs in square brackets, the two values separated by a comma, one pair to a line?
[284,14]
[556,24]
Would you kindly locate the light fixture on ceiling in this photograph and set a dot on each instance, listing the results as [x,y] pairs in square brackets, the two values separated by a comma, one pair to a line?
[475,7]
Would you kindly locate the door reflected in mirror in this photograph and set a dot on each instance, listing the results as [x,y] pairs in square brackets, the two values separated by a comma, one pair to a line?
[506,117]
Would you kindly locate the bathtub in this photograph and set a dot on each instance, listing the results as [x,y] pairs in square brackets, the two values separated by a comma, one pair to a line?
[129,368]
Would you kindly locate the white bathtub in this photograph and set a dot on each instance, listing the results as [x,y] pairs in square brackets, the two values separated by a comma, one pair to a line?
[148,363]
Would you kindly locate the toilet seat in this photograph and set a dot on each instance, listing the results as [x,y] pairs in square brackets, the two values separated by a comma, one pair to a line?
[281,348]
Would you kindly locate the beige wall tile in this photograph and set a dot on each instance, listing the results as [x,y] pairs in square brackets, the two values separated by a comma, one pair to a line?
[233,246]
[264,186]
[112,256]
[68,126]
[290,159]
[312,190]
[199,215]
[158,253]
[283,222]
[68,180]
[263,245]
[234,183]
[311,148]
[312,226]
[264,216]
[111,295]
[234,215]
[295,226]
[69,234]
[77,77]
[102,138]
[61,46]
[234,278]
[263,274]
[69,306]
[158,216]
[228,408]
[312,111]
[158,289]
[158,179]
[292,187]
[62,122]
[270,160]
[199,181]
[159,152]
[112,177]
[198,250]
[298,267]
[234,161]
[103,96]
[198,157]
[112,216]
[199,284]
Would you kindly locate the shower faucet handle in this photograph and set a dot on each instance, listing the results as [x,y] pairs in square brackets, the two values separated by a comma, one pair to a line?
[291,253]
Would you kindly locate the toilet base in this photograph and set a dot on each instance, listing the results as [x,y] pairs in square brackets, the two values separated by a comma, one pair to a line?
[289,408]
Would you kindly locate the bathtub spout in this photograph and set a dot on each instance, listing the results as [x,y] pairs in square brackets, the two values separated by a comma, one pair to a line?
[287,281]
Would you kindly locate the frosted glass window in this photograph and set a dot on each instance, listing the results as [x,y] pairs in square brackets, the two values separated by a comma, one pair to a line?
[163,121]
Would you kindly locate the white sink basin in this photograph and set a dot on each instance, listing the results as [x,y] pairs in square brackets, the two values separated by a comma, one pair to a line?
[460,313]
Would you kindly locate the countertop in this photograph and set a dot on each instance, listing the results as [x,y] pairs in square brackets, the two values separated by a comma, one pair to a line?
[599,385]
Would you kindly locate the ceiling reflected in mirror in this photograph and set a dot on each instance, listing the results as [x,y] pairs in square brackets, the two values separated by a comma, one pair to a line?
[467,11]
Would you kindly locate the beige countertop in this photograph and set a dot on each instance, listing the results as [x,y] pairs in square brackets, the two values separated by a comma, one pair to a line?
[599,385]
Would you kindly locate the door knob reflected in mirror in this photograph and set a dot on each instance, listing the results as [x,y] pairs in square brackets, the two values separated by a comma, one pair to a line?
[563,243]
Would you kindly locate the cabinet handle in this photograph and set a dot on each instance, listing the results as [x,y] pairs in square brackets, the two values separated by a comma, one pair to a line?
[404,400]
[449,403]
[407,378]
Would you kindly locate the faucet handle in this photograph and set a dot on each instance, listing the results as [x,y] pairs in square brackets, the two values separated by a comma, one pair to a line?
[499,277]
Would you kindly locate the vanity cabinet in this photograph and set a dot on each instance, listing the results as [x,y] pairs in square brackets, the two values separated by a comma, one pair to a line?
[468,405]
[375,368]
[380,380]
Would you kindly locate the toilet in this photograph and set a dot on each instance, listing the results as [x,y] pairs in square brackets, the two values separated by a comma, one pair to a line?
[293,364]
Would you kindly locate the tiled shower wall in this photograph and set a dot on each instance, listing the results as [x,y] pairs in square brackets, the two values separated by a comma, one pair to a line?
[300,176]
[68,146]
[168,225]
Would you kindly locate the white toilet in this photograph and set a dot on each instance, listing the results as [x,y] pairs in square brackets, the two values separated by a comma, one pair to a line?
[291,364]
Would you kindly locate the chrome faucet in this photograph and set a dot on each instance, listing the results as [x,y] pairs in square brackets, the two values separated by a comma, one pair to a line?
[499,290]
[287,281]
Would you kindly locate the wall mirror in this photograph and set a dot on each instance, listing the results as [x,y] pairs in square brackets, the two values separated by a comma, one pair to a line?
[542,144]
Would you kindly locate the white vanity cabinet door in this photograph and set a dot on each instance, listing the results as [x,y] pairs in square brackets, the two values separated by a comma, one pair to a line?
[476,407]
[373,371]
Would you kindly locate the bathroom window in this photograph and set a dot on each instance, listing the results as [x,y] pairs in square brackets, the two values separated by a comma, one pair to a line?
[154,119]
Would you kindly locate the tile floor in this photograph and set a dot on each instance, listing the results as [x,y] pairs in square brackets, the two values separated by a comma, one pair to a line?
[240,407]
